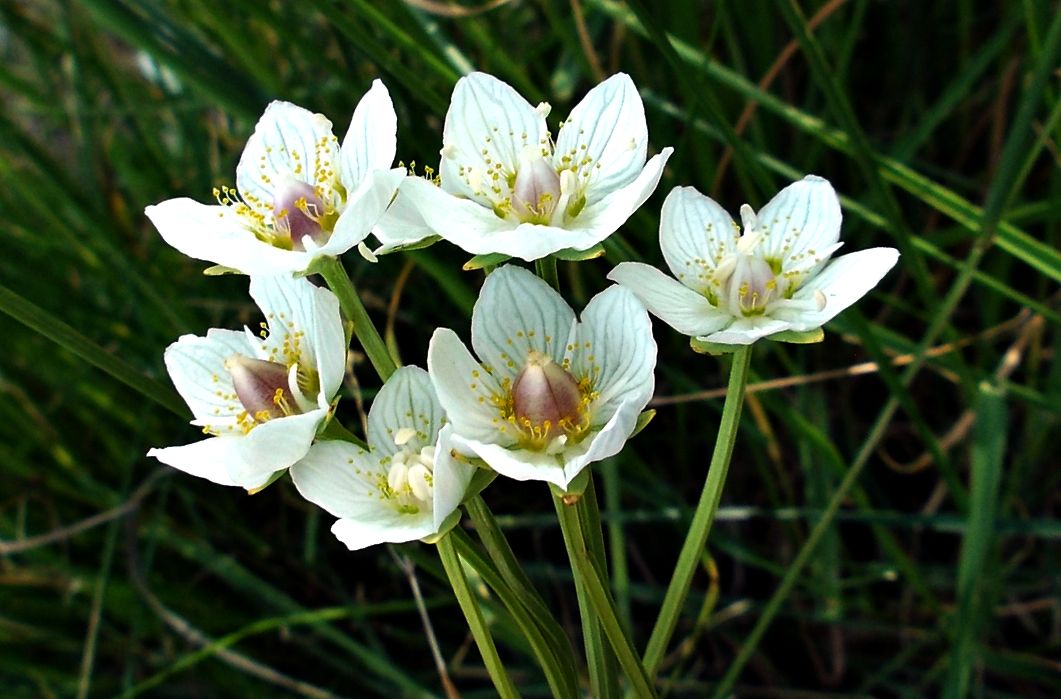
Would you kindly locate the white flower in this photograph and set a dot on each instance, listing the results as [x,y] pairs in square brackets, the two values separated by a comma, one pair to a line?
[407,483]
[776,277]
[261,399]
[507,187]
[550,394]
[298,194]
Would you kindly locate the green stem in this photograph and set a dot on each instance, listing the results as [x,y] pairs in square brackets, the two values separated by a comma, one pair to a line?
[597,598]
[546,269]
[706,509]
[339,282]
[593,534]
[470,606]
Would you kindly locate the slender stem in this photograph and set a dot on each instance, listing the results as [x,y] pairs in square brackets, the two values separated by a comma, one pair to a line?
[470,606]
[339,282]
[593,534]
[546,269]
[504,559]
[598,598]
[706,509]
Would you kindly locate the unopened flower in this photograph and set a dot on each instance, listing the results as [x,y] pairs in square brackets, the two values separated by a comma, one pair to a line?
[299,195]
[261,399]
[734,288]
[406,484]
[507,187]
[548,394]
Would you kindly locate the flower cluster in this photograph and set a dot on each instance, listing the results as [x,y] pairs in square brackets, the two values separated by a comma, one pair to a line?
[546,393]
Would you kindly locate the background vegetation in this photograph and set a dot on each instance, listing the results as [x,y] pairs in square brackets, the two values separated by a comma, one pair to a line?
[934,571]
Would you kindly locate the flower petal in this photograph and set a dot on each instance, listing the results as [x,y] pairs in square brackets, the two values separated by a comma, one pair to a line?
[407,399]
[609,441]
[745,331]
[402,223]
[288,143]
[394,528]
[802,223]
[196,366]
[304,327]
[207,459]
[605,139]
[363,210]
[372,138]
[466,391]
[843,281]
[678,306]
[695,234]
[518,313]
[450,479]
[463,222]
[601,219]
[518,464]
[275,445]
[488,124]
[216,234]
[615,352]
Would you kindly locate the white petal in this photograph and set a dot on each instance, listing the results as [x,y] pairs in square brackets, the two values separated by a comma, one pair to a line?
[605,137]
[678,306]
[276,445]
[695,233]
[462,222]
[402,223]
[196,366]
[843,281]
[745,331]
[288,143]
[216,234]
[605,217]
[450,479]
[518,313]
[207,459]
[801,222]
[518,464]
[615,352]
[407,400]
[372,139]
[304,326]
[392,528]
[609,441]
[363,210]
[487,120]
[465,389]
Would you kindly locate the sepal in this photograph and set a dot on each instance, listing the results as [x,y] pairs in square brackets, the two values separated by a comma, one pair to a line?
[575,489]
[715,349]
[490,259]
[796,337]
[572,255]
[272,479]
[220,270]
[642,421]
[447,524]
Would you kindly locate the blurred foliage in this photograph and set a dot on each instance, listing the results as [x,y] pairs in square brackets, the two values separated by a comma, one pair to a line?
[938,122]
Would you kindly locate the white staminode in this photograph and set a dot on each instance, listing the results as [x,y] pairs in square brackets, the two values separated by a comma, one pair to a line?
[776,277]
[261,399]
[407,483]
[507,187]
[299,195]
[548,395]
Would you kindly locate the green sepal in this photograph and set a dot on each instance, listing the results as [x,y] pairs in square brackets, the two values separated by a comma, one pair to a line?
[713,348]
[220,270]
[489,259]
[482,478]
[572,255]
[575,488]
[443,530]
[272,479]
[418,245]
[808,337]
[642,421]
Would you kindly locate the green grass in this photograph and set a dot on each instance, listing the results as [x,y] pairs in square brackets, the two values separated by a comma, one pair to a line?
[929,488]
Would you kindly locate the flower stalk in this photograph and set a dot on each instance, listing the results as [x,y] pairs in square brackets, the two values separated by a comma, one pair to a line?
[705,513]
[335,276]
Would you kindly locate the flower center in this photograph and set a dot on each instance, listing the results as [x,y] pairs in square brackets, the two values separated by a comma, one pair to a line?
[410,479]
[299,212]
[547,402]
[536,190]
[263,388]
[752,286]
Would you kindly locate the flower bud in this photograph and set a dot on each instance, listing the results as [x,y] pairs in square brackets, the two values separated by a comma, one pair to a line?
[298,212]
[262,387]
[545,397]
[537,188]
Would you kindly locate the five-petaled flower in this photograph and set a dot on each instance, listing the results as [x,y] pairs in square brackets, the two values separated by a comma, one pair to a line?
[549,395]
[407,483]
[298,194]
[733,289]
[261,399]
[507,187]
